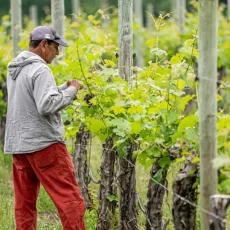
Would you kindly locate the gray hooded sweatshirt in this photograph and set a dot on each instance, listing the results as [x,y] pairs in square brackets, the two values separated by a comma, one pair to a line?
[34,103]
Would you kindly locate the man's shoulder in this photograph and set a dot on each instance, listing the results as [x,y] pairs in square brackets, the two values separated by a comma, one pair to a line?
[35,69]
[39,69]
[44,69]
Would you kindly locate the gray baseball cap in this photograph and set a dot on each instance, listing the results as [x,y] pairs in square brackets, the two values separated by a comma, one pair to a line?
[48,33]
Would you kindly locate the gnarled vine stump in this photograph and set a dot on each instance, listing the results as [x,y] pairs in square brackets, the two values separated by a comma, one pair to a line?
[107,187]
[184,214]
[127,188]
[81,164]
[155,196]
[220,204]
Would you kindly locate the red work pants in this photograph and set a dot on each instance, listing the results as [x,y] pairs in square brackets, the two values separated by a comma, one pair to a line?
[53,168]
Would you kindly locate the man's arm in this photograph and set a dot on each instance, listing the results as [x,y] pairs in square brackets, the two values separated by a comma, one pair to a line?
[67,84]
[47,96]
[63,86]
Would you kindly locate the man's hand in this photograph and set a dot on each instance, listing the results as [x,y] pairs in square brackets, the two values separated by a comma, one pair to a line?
[77,84]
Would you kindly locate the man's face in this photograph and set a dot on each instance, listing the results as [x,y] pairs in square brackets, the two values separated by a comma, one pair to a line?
[49,51]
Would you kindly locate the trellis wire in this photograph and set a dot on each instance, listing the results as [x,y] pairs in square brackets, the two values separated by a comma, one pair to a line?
[137,195]
[92,178]
[165,188]
[139,204]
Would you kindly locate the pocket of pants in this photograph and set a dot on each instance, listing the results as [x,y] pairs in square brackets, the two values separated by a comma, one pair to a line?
[45,158]
[20,162]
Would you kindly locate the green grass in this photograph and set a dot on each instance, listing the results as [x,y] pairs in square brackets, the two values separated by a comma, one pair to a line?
[6,208]
[47,214]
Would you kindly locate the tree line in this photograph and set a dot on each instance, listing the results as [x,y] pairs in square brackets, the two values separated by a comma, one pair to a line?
[86,5]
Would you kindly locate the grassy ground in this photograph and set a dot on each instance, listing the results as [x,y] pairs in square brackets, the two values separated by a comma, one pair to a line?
[47,214]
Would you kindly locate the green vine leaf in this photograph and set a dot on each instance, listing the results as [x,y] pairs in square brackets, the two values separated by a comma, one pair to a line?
[158,176]
[165,161]
[112,198]
[189,121]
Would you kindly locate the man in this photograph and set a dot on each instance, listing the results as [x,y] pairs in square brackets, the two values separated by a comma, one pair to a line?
[34,134]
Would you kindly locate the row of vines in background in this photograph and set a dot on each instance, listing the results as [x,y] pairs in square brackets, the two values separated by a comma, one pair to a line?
[150,114]
[5,56]
[154,114]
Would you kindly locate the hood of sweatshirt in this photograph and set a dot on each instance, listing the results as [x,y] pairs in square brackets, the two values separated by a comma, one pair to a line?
[23,59]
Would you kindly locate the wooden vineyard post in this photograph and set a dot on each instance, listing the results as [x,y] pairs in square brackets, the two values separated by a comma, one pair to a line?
[174,9]
[105,6]
[173,6]
[58,14]
[75,8]
[207,102]
[150,10]
[138,9]
[34,15]
[181,10]
[125,15]
[220,204]
[126,165]
[16,24]
[228,7]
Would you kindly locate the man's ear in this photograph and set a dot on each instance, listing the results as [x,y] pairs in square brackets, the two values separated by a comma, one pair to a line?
[43,45]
